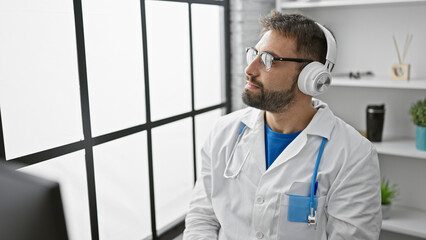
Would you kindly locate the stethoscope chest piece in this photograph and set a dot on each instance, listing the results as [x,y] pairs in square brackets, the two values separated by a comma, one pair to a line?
[312,218]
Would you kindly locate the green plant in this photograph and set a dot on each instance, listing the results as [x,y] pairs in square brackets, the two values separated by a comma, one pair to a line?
[388,192]
[418,113]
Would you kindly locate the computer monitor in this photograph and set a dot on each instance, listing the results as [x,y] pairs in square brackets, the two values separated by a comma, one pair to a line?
[30,208]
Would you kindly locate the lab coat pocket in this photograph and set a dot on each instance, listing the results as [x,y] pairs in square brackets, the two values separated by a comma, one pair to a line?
[299,209]
[293,215]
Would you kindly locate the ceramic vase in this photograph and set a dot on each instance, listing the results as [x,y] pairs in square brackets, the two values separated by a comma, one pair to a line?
[421,138]
[386,211]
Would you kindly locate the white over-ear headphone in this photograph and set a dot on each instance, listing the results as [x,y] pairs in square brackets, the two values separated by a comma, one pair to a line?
[315,78]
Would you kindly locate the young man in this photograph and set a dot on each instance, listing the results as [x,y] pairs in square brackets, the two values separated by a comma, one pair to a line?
[286,167]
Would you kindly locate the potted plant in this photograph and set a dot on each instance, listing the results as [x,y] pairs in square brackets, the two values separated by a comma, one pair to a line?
[388,193]
[418,115]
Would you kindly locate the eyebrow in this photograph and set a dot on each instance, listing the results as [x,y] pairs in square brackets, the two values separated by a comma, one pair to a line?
[270,52]
[273,54]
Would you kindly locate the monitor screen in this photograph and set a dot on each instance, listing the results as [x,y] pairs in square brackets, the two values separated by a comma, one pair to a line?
[30,207]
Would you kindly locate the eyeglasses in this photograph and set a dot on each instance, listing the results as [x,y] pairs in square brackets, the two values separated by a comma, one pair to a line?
[267,59]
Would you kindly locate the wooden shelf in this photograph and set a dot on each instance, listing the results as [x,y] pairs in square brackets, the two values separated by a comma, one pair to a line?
[406,221]
[400,147]
[339,3]
[380,82]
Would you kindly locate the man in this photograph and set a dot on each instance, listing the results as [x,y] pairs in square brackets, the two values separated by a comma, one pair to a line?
[286,167]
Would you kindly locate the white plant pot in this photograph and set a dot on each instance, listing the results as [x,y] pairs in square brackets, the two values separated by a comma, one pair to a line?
[386,209]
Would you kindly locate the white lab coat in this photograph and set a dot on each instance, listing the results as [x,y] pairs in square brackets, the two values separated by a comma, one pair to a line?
[254,204]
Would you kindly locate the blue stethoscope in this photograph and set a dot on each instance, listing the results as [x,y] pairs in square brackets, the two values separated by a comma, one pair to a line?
[312,215]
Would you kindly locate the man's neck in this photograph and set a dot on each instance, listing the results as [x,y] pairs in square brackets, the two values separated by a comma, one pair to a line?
[293,119]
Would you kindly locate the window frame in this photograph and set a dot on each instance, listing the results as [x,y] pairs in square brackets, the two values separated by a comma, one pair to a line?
[87,144]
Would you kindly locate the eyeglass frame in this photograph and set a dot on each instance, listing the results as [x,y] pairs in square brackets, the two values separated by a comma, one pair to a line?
[298,60]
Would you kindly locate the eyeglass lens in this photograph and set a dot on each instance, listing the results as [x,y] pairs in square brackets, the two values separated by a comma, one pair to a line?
[265,58]
[251,55]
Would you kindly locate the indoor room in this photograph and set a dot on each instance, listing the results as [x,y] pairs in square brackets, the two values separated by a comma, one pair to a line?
[137,119]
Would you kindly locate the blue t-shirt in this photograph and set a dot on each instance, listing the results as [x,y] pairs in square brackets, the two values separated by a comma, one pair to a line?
[275,143]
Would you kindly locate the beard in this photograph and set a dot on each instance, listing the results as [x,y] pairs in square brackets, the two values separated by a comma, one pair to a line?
[269,100]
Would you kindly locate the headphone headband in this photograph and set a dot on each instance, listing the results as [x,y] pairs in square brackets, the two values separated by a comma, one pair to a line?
[331,48]
[315,78]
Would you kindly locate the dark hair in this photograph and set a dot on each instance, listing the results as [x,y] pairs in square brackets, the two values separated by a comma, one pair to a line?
[310,39]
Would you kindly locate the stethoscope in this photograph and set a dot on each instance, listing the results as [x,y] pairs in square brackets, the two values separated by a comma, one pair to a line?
[225,173]
[312,215]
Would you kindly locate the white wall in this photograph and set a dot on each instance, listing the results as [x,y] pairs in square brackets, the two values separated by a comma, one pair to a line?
[245,29]
[364,36]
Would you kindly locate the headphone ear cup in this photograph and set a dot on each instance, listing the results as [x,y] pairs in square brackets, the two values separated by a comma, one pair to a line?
[314,79]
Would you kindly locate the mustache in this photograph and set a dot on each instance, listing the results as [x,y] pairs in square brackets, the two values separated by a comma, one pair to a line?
[254,81]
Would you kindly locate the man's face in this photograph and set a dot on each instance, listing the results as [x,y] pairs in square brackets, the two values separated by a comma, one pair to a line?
[276,89]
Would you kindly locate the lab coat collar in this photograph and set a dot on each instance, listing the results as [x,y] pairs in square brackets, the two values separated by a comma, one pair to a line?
[251,117]
[322,123]
[253,120]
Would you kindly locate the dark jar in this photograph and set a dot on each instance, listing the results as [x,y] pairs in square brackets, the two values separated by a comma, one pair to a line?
[375,120]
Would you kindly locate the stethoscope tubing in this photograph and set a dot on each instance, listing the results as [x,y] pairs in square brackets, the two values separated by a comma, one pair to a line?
[225,173]
[314,175]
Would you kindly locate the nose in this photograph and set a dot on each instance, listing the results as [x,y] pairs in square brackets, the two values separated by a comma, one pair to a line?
[253,68]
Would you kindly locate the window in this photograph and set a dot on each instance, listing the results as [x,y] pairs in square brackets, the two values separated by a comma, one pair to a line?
[113,100]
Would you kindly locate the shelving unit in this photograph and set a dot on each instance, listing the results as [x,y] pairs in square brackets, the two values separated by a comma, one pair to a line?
[380,82]
[408,221]
[404,220]
[336,3]
[364,34]
[401,148]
